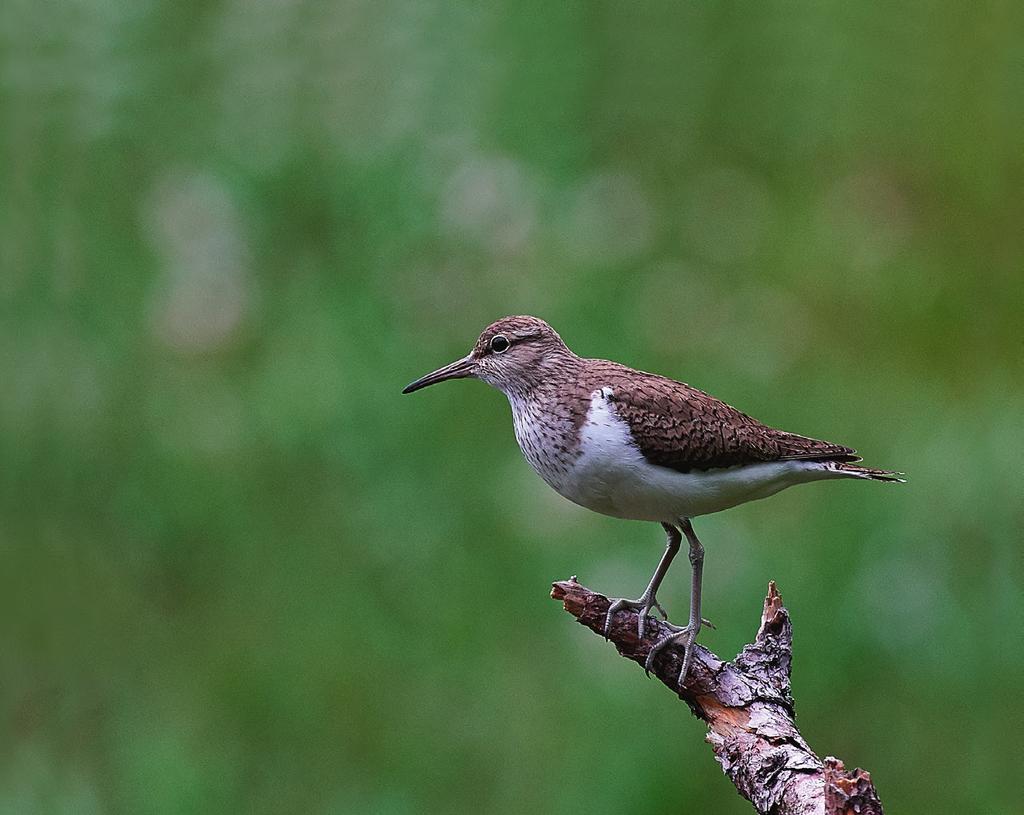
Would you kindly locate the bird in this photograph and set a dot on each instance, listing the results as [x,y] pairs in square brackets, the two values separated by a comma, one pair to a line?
[639,446]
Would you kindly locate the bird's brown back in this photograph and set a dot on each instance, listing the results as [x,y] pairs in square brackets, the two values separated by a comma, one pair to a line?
[685,429]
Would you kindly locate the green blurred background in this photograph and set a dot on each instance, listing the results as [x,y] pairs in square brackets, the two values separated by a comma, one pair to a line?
[241,573]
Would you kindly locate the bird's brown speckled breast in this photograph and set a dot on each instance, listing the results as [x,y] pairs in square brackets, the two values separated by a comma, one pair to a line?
[547,430]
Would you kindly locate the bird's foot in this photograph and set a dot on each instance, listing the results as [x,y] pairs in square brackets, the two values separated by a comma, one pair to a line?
[643,608]
[685,636]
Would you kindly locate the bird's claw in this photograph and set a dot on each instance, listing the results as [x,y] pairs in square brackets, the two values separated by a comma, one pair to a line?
[687,637]
[643,608]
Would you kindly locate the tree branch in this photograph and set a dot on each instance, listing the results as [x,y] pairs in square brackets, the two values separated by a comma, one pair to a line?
[748,709]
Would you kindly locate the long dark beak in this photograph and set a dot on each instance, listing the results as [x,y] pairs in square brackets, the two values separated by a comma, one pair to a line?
[459,369]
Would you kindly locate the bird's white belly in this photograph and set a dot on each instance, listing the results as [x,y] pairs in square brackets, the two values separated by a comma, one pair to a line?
[611,476]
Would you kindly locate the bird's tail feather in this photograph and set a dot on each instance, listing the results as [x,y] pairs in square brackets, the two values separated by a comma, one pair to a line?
[854,471]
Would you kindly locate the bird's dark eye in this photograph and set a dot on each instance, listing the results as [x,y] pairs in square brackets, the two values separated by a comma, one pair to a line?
[499,344]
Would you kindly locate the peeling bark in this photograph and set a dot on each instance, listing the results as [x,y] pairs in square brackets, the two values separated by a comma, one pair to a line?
[747,706]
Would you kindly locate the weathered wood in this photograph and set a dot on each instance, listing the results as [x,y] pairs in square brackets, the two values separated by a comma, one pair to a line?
[747,706]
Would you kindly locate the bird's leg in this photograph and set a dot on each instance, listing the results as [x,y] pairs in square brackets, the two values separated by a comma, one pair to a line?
[648,599]
[687,635]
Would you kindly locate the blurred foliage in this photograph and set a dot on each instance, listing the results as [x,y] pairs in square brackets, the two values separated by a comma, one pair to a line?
[241,573]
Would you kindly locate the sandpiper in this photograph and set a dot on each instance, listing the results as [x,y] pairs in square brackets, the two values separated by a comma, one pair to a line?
[639,446]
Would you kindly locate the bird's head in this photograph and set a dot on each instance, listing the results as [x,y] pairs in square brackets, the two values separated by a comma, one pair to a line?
[511,354]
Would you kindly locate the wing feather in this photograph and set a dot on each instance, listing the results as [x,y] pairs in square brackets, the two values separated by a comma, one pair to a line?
[686,429]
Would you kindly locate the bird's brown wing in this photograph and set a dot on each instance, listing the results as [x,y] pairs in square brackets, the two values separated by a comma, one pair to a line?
[685,429]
